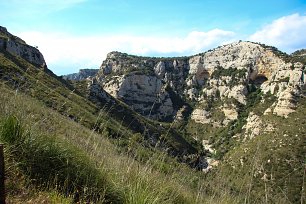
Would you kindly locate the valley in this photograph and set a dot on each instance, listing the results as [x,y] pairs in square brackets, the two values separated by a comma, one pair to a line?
[224,126]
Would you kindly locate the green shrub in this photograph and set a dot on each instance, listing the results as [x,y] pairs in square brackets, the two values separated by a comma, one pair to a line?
[11,132]
[286,79]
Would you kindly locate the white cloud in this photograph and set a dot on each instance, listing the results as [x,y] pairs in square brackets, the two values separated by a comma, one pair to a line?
[74,52]
[287,33]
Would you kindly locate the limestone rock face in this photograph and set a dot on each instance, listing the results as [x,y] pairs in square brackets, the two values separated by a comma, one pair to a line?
[255,126]
[238,92]
[286,103]
[159,87]
[230,113]
[16,46]
[252,57]
[254,64]
[160,69]
[147,85]
[145,94]
[287,84]
[96,93]
[201,116]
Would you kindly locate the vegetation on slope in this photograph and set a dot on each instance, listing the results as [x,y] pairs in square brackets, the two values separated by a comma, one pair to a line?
[116,119]
[49,140]
[271,167]
[268,168]
[299,56]
[57,159]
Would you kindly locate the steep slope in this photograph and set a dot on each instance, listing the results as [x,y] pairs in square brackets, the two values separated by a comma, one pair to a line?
[51,158]
[209,94]
[271,165]
[109,116]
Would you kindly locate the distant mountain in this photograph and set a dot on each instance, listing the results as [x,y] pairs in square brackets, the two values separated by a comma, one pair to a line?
[81,75]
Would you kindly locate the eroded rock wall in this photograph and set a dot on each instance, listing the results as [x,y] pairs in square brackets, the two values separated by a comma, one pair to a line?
[159,87]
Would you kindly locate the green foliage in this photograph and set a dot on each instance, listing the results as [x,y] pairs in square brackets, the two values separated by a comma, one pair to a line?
[11,130]
[299,56]
[115,117]
[222,138]
[286,79]
[178,102]
[231,71]
[271,165]
[41,124]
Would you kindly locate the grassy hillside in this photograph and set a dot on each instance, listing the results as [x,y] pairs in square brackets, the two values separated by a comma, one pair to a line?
[115,120]
[70,147]
[58,157]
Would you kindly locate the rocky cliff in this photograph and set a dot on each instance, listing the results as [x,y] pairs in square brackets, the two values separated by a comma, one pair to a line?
[218,97]
[159,88]
[148,85]
[16,46]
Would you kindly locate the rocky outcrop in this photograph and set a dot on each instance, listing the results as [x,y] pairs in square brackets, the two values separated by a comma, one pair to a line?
[230,113]
[228,70]
[287,84]
[287,101]
[255,126]
[148,85]
[16,46]
[201,116]
[145,94]
[97,94]
[81,75]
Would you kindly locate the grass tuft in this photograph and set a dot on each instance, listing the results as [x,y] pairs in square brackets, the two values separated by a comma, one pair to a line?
[53,164]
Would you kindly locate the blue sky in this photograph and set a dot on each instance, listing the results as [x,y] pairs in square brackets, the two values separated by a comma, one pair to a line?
[74,34]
